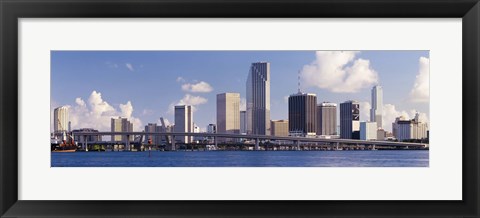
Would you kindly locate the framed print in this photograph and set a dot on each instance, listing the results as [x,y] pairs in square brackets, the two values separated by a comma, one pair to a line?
[226,108]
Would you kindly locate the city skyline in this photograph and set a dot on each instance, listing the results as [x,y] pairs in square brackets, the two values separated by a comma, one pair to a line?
[197,87]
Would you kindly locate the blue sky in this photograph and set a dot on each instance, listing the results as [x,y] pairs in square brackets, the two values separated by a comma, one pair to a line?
[144,85]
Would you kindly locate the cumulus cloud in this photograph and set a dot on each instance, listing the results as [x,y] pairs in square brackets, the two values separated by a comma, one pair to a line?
[96,113]
[421,91]
[365,107]
[338,71]
[180,79]
[390,113]
[197,87]
[187,100]
[129,67]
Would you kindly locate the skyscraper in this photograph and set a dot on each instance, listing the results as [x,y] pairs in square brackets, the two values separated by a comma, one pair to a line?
[327,119]
[183,122]
[60,119]
[121,125]
[228,113]
[152,128]
[243,122]
[302,114]
[258,99]
[279,127]
[350,120]
[377,106]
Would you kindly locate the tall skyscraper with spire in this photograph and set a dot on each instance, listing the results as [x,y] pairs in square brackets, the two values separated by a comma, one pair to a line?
[377,105]
[258,99]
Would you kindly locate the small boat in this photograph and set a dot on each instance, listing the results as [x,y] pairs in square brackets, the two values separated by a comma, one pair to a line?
[67,145]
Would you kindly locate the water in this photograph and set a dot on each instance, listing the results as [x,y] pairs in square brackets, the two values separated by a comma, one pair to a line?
[381,158]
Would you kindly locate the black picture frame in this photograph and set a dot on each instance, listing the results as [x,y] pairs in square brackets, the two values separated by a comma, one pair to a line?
[12,10]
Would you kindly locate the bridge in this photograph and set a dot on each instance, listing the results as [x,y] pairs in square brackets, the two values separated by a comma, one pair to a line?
[296,141]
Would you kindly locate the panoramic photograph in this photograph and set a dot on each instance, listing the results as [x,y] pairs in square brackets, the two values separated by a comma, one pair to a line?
[281,108]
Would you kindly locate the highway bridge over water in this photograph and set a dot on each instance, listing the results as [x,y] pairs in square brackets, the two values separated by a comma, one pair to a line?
[296,142]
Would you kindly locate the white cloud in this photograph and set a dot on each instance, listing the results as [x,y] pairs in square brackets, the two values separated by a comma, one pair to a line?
[129,67]
[285,99]
[338,71]
[198,87]
[98,112]
[365,107]
[421,91]
[188,100]
[390,113]
[180,79]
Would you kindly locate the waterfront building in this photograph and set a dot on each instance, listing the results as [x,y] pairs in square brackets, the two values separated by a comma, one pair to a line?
[243,122]
[183,122]
[381,134]
[377,106]
[258,99]
[350,120]
[228,113]
[152,128]
[279,127]
[121,125]
[327,119]
[196,129]
[368,131]
[302,114]
[60,119]
[404,129]
[211,128]
[81,139]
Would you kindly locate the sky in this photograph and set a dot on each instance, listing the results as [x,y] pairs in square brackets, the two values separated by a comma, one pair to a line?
[145,85]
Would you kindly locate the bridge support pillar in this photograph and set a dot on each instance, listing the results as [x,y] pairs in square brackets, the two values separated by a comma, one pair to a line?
[127,143]
[297,145]
[257,144]
[336,146]
[215,140]
[174,146]
[373,147]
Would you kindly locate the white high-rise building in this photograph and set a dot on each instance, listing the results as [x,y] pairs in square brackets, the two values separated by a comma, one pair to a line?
[377,106]
[183,122]
[61,119]
[228,113]
[258,99]
[368,131]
